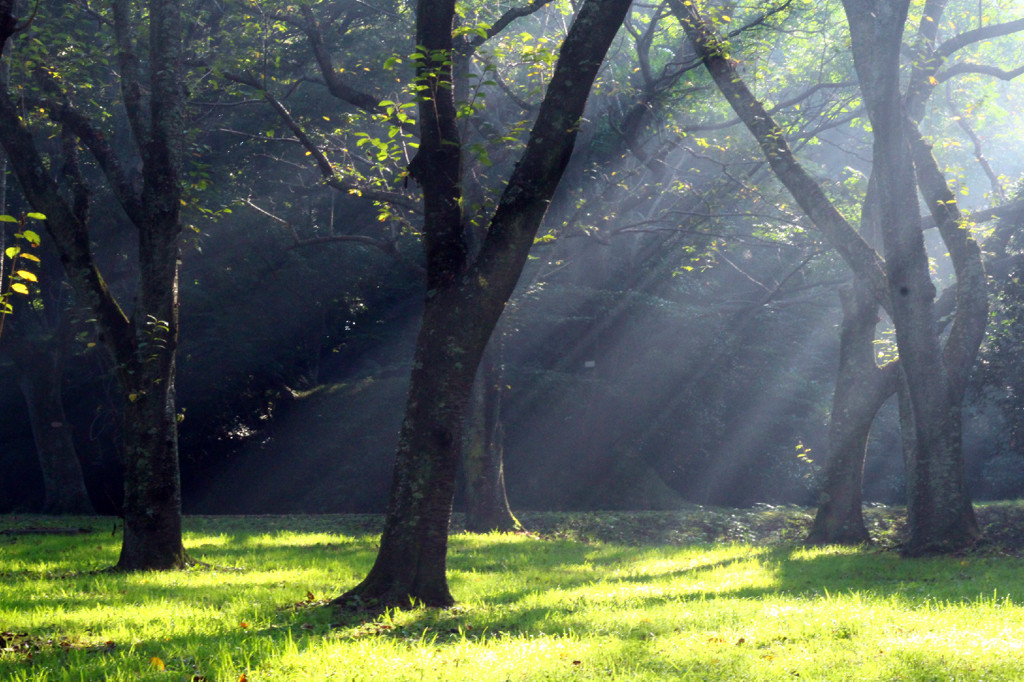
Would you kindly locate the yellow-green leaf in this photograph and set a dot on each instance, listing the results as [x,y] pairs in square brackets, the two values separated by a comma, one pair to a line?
[26,275]
[8,219]
[35,216]
[31,237]
[29,256]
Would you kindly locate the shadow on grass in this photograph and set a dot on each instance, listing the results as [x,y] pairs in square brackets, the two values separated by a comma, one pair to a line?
[547,566]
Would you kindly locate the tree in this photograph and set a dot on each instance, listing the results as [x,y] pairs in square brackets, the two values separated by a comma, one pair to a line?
[378,124]
[37,342]
[465,297]
[143,345]
[932,375]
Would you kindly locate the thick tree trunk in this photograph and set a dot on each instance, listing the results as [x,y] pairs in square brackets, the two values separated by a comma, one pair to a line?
[411,563]
[39,370]
[152,491]
[483,461]
[464,299]
[861,388]
[939,512]
[144,347]
[152,484]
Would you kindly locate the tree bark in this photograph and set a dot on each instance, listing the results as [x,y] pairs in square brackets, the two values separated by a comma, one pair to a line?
[487,507]
[939,512]
[465,299]
[143,347]
[861,388]
[39,368]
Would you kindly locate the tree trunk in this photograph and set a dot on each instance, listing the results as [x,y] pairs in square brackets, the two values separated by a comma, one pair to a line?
[487,507]
[143,348]
[152,484]
[939,512]
[861,388]
[941,517]
[411,563]
[465,299]
[39,369]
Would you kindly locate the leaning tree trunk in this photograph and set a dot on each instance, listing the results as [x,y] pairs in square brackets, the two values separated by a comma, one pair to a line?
[939,510]
[861,389]
[39,370]
[483,460]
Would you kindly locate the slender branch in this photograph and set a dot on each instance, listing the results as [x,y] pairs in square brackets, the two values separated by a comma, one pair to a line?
[507,18]
[384,245]
[983,69]
[961,120]
[323,164]
[977,35]
[336,85]
[61,110]
[857,253]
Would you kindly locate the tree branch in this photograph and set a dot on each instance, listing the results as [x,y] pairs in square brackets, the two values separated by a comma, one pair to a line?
[323,164]
[983,69]
[860,257]
[60,109]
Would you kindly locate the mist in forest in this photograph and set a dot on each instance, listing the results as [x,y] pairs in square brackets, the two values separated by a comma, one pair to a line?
[673,340]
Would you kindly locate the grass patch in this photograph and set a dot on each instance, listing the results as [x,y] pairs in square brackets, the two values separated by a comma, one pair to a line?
[698,594]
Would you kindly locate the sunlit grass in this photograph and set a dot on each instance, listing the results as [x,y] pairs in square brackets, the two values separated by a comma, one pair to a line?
[529,609]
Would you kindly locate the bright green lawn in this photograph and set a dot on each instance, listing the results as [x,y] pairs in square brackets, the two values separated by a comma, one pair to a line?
[529,609]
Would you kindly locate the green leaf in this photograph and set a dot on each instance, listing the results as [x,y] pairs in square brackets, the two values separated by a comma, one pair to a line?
[12,251]
[8,219]
[32,237]
[35,216]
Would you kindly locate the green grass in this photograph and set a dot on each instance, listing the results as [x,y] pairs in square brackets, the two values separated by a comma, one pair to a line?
[589,598]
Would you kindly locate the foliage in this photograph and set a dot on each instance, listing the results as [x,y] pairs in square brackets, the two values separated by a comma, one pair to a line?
[18,277]
[576,601]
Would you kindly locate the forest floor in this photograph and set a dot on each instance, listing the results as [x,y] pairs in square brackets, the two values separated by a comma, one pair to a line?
[1002,525]
[698,593]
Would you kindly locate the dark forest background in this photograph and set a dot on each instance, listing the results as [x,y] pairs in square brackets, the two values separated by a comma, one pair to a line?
[674,338]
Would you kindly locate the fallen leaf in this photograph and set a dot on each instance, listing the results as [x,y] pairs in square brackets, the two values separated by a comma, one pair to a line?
[157,664]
